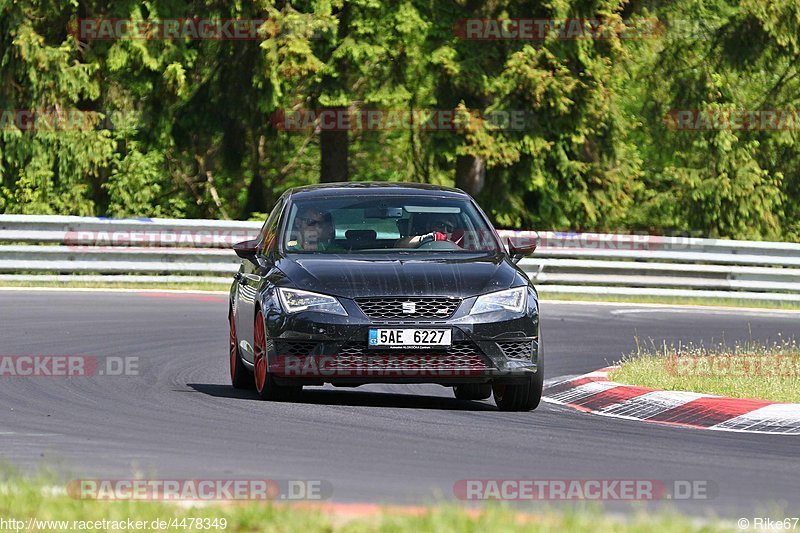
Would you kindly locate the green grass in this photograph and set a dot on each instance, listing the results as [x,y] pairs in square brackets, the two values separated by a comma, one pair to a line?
[747,370]
[22,499]
[668,300]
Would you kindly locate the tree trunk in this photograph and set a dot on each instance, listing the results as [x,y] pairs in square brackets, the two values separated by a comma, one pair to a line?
[333,146]
[257,200]
[470,174]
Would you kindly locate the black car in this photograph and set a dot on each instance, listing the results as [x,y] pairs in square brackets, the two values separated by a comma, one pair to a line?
[356,283]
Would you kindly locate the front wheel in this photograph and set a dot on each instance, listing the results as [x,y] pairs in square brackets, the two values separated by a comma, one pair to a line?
[266,387]
[524,396]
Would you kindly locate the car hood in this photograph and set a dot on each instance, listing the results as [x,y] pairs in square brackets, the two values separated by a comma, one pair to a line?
[362,277]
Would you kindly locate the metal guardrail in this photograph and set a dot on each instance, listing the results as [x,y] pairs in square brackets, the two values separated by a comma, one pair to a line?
[61,248]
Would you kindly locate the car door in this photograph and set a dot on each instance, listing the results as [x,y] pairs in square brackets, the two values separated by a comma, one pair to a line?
[250,277]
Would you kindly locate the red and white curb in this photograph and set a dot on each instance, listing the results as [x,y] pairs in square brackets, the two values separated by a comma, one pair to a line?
[594,393]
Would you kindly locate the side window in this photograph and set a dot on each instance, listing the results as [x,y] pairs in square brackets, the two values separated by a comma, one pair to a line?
[268,234]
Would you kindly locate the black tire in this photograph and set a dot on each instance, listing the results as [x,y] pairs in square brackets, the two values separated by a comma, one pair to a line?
[519,396]
[241,377]
[473,391]
[265,385]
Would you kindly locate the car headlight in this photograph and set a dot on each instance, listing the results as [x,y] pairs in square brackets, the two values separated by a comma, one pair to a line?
[295,300]
[511,300]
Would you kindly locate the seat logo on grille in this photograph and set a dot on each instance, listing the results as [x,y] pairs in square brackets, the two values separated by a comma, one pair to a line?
[409,308]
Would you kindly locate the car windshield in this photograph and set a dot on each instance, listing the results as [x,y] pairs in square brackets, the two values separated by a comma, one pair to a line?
[379,224]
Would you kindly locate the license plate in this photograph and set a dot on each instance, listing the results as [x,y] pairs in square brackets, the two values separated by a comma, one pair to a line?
[414,337]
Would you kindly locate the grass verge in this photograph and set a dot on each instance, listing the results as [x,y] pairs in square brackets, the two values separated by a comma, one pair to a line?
[668,300]
[23,501]
[745,370]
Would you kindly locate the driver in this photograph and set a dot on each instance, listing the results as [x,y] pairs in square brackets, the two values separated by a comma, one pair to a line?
[313,232]
[441,227]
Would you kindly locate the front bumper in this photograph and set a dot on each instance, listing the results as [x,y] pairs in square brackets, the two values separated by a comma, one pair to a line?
[315,348]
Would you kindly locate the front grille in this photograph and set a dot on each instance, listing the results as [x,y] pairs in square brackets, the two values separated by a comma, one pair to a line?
[516,349]
[408,308]
[460,356]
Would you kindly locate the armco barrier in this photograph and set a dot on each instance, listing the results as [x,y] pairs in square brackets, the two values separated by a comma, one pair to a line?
[60,248]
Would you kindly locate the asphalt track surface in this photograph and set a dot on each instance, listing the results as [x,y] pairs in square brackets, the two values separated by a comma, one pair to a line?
[180,419]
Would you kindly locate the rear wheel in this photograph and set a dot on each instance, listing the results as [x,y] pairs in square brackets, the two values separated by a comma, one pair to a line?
[241,377]
[473,391]
[266,387]
[524,396]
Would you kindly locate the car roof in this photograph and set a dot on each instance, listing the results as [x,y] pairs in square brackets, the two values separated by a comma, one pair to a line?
[356,188]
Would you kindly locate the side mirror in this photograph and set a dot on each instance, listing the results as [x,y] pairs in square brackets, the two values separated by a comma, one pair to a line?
[518,252]
[247,249]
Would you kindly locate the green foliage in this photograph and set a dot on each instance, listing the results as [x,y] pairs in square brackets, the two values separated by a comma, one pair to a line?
[182,127]
[727,182]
